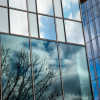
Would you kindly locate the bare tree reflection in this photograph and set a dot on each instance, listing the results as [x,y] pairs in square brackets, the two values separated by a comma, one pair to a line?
[17,80]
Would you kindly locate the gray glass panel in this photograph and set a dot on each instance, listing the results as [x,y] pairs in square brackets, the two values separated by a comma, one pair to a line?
[18,22]
[75,73]
[74,32]
[95,91]
[92,70]
[46,70]
[20,4]
[4,20]
[89,51]
[71,9]
[31,5]
[60,30]
[92,30]
[16,69]
[86,33]
[3,2]
[96,13]
[33,25]
[45,7]
[47,27]
[57,7]
[95,48]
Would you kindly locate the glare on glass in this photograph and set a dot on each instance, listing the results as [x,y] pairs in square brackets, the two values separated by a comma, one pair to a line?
[71,9]
[46,71]
[3,2]
[47,27]
[19,4]
[45,7]
[75,74]
[4,20]
[60,30]
[33,25]
[18,22]
[31,5]
[74,32]
[16,69]
[57,7]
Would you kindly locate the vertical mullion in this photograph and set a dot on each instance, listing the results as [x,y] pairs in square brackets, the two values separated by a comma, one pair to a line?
[30,51]
[58,52]
[86,50]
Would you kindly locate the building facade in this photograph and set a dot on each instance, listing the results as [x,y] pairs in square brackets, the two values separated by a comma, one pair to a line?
[43,52]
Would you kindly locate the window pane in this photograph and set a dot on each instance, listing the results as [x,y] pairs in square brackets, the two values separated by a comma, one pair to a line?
[84,18]
[92,70]
[86,33]
[95,48]
[97,63]
[4,20]
[45,7]
[89,14]
[71,9]
[47,27]
[60,30]
[96,13]
[57,6]
[3,2]
[33,25]
[88,4]
[16,69]
[92,29]
[93,2]
[31,5]
[89,51]
[74,33]
[18,22]
[95,91]
[20,4]
[75,73]
[46,70]
[83,7]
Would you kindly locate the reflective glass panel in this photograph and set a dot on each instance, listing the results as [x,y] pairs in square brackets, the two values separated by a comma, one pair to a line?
[92,70]
[97,26]
[33,25]
[82,7]
[95,48]
[74,33]
[96,13]
[95,91]
[18,22]
[86,33]
[92,29]
[47,27]
[89,51]
[71,9]
[3,2]
[99,44]
[84,18]
[89,14]
[60,30]
[88,4]
[45,7]
[16,68]
[57,6]
[46,70]
[75,73]
[4,20]
[97,63]
[93,2]
[31,5]
[20,4]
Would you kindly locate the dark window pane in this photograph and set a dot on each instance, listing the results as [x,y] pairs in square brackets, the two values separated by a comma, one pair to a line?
[19,4]
[92,70]
[46,70]
[3,2]
[84,18]
[89,14]
[18,22]
[45,7]
[86,33]
[95,91]
[96,13]
[71,9]
[75,73]
[89,51]
[16,69]
[74,33]
[47,27]
[31,5]
[4,20]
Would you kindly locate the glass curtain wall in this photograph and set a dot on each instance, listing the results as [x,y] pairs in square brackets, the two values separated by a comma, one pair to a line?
[43,52]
